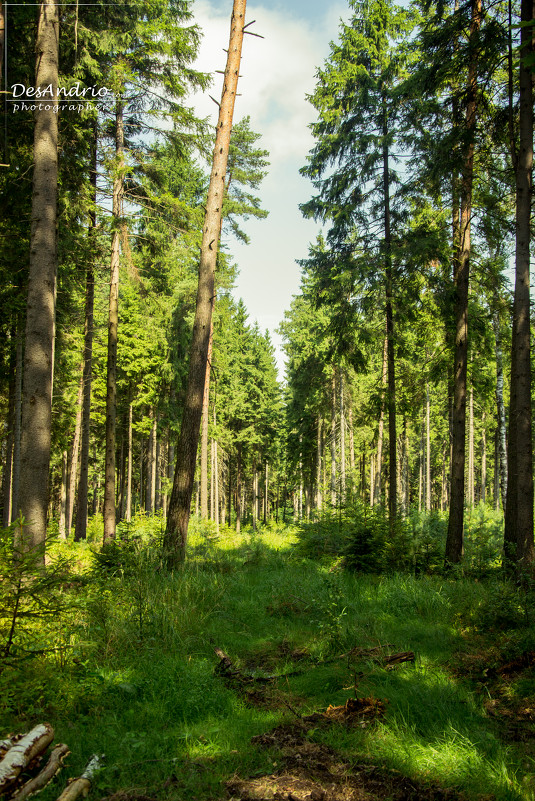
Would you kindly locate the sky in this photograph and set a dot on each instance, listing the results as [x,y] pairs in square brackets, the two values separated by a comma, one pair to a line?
[277,74]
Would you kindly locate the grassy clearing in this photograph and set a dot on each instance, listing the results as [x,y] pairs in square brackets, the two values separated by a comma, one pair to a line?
[133,676]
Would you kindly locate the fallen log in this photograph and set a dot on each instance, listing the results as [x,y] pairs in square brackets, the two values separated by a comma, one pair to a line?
[396,659]
[82,784]
[39,782]
[19,756]
[6,744]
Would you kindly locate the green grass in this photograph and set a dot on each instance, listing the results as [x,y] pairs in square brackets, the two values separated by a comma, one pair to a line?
[133,674]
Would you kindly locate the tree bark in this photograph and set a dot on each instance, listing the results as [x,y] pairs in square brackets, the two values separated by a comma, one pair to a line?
[176,532]
[7,475]
[80,528]
[129,468]
[427,449]
[204,432]
[113,322]
[73,465]
[333,439]
[318,464]
[391,367]
[41,305]
[455,539]
[380,435]
[501,435]
[471,470]
[342,442]
[518,536]
[63,498]
[483,493]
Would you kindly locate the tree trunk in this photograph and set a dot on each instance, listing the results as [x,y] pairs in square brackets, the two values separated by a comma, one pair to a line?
[483,494]
[519,505]
[15,480]
[455,539]
[333,439]
[80,529]
[318,464]
[41,306]
[391,395]
[216,487]
[238,503]
[113,321]
[427,449]
[129,468]
[153,463]
[501,436]
[380,435]
[63,498]
[204,432]
[471,471]
[7,474]
[73,464]
[351,440]
[342,442]
[179,508]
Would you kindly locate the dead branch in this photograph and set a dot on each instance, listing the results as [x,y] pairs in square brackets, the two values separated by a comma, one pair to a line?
[22,753]
[53,766]
[396,659]
[82,784]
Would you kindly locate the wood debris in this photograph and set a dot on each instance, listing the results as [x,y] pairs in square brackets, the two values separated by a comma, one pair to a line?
[22,774]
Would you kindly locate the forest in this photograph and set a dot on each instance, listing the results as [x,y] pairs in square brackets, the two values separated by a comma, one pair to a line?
[217,581]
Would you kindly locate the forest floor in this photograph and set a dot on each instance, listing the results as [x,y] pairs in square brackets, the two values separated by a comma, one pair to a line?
[258,673]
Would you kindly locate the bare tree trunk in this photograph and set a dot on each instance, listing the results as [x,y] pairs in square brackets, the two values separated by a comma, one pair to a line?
[7,474]
[216,487]
[391,367]
[380,435]
[179,508]
[471,471]
[113,321]
[342,442]
[73,463]
[351,439]
[372,479]
[153,463]
[483,497]
[63,498]
[204,430]
[238,490]
[318,464]
[80,529]
[501,436]
[333,439]
[519,505]
[15,479]
[41,305]
[266,493]
[455,538]
[129,468]
[427,449]
[254,493]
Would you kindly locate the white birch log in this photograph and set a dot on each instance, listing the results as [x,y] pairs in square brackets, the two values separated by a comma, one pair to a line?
[53,766]
[22,753]
[82,784]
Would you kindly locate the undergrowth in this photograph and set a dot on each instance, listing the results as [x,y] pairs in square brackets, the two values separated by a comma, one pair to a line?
[134,677]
